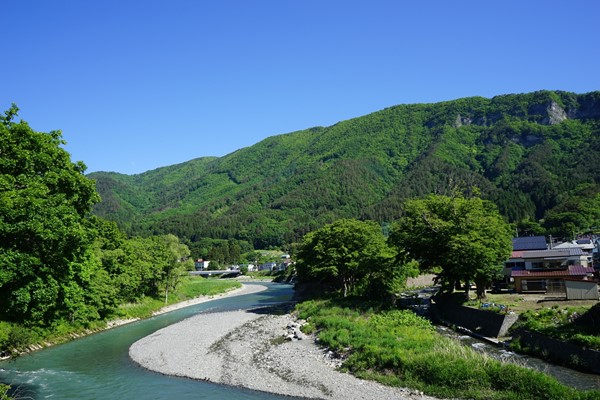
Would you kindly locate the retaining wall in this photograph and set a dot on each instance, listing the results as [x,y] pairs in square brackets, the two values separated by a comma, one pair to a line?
[485,323]
[558,351]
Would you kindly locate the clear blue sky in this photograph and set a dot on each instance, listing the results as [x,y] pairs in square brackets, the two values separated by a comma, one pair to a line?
[136,85]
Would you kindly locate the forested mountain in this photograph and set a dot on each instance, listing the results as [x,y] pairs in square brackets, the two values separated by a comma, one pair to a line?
[536,155]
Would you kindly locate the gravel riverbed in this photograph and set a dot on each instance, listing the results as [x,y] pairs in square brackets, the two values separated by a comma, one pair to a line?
[254,349]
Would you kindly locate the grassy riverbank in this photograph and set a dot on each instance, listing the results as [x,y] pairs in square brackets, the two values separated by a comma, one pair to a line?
[577,325]
[398,348]
[190,288]
[15,338]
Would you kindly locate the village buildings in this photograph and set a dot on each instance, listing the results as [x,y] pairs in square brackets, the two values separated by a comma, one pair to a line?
[563,269]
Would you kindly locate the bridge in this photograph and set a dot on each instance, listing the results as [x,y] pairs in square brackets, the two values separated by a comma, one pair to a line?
[222,272]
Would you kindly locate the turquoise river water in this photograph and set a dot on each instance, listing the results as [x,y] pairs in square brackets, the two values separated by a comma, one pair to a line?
[98,366]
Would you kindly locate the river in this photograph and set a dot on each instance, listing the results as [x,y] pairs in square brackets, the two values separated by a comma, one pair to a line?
[98,366]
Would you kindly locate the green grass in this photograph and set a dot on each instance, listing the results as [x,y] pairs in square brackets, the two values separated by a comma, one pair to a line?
[189,288]
[197,286]
[398,348]
[558,323]
[261,275]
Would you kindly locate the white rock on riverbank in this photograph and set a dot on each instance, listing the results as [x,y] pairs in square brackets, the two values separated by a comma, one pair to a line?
[246,348]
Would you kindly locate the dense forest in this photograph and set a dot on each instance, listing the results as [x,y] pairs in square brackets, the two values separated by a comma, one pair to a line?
[536,156]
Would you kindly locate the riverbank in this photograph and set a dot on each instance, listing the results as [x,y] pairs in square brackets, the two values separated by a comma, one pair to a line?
[248,349]
[119,322]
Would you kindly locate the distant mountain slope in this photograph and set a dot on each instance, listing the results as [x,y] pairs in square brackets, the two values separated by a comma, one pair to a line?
[530,153]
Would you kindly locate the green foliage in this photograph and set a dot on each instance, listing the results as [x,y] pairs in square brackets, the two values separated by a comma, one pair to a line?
[142,308]
[4,392]
[15,336]
[19,337]
[189,288]
[62,270]
[44,199]
[560,324]
[401,349]
[517,149]
[344,254]
[192,287]
[466,237]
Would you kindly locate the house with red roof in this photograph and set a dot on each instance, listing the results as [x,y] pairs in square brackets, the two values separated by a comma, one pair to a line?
[546,270]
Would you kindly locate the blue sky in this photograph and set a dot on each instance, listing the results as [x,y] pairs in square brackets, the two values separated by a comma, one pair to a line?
[136,85]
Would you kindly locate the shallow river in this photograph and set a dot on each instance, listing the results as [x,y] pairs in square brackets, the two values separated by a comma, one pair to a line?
[98,366]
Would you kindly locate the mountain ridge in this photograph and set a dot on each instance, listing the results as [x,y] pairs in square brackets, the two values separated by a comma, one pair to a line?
[276,190]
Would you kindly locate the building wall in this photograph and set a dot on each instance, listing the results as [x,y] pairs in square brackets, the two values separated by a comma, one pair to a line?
[581,290]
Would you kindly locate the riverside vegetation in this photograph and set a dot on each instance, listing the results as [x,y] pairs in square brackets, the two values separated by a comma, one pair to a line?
[347,263]
[577,325]
[63,271]
[18,337]
[574,321]
[398,348]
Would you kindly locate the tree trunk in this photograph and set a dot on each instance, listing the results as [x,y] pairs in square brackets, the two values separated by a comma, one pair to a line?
[480,285]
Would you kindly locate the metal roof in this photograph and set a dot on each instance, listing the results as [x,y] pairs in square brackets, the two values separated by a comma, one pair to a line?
[530,243]
[573,270]
[548,254]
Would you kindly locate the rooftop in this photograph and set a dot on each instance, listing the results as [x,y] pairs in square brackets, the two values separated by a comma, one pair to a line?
[572,270]
[548,254]
[530,243]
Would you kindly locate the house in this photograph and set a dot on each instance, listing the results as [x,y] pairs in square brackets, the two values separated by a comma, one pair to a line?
[251,267]
[586,245]
[549,280]
[545,259]
[546,270]
[201,265]
[285,263]
[269,266]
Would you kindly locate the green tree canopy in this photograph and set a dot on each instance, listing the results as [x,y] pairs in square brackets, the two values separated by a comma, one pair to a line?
[175,262]
[465,237]
[44,238]
[343,254]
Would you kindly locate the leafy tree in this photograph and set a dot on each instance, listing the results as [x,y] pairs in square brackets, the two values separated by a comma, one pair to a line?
[176,262]
[342,253]
[44,238]
[465,237]
[235,251]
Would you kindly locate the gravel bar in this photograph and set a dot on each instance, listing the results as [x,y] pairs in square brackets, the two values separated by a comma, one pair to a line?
[256,350]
